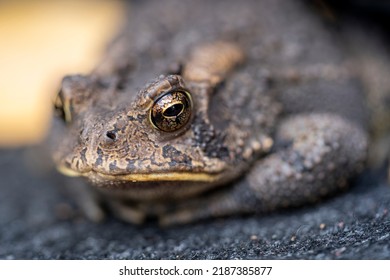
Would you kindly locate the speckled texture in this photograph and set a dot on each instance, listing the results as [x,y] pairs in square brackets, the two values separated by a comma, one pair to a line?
[238,89]
[354,225]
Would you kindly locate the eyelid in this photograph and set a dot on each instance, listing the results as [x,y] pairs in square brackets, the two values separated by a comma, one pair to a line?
[159,88]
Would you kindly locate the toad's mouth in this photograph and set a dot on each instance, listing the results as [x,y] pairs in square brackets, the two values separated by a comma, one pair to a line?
[144,177]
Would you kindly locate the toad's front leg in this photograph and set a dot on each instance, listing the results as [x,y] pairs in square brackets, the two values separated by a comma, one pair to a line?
[317,155]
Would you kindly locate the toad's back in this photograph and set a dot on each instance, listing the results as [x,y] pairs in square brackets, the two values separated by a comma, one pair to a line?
[279,36]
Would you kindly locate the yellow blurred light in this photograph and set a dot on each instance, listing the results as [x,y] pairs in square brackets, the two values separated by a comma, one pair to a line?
[41,41]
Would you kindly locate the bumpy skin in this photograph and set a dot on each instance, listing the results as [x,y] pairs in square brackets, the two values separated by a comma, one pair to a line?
[273,115]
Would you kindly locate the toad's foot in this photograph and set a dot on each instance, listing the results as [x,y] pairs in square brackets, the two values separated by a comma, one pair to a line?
[321,152]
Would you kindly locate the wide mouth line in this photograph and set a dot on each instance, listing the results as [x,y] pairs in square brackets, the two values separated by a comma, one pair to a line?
[144,177]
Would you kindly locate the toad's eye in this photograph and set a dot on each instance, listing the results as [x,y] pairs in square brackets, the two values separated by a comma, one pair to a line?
[62,108]
[171,111]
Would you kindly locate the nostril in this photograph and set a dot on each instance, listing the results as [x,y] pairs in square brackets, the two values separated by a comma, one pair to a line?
[111,135]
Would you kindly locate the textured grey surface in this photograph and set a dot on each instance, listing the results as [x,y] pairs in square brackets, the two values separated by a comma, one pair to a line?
[36,223]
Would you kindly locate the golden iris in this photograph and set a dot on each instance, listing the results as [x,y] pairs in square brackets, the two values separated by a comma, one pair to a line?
[171,111]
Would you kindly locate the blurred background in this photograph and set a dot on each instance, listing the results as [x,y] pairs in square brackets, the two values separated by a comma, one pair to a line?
[43,40]
[40,42]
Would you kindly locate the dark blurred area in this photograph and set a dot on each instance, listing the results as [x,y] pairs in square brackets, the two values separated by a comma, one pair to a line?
[364,27]
[375,13]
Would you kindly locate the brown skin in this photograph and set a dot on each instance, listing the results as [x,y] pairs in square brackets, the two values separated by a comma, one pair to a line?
[228,127]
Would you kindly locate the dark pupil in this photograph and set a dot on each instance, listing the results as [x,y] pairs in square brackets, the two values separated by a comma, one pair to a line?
[173,110]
